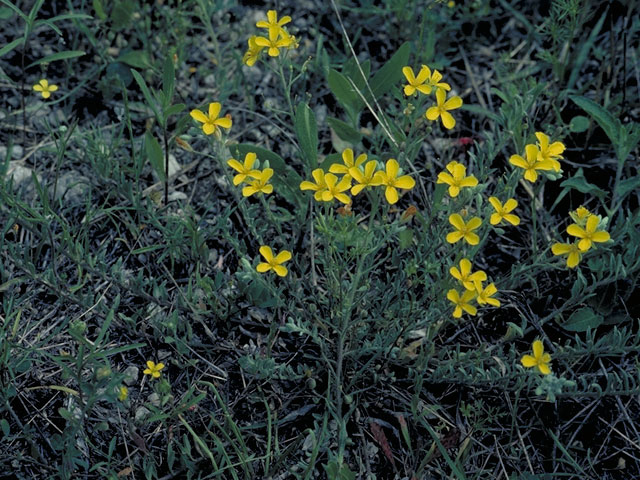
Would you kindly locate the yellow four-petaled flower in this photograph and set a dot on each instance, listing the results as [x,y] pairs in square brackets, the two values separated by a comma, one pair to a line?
[538,359]
[456,178]
[45,88]
[153,369]
[211,122]
[273,262]
[464,230]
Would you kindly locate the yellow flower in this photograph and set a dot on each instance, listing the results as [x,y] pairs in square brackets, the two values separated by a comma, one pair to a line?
[456,178]
[273,24]
[462,302]
[548,152]
[486,295]
[245,170]
[464,230]
[275,42]
[253,52]
[273,263]
[539,358]
[319,187]
[503,211]
[347,158]
[571,250]
[364,179]
[589,234]
[531,164]
[416,83]
[464,275]
[44,88]
[123,393]
[153,369]
[441,109]
[389,178]
[425,82]
[336,189]
[260,184]
[212,122]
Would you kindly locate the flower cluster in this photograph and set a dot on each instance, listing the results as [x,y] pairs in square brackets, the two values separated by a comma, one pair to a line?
[587,231]
[328,186]
[257,180]
[472,282]
[426,83]
[276,38]
[539,156]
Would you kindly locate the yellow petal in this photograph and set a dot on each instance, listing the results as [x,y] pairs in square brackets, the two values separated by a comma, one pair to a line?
[432,113]
[267,253]
[440,97]
[280,270]
[453,295]
[46,94]
[224,122]
[573,259]
[453,103]
[457,221]
[454,191]
[495,219]
[472,239]
[408,74]
[531,175]
[263,42]
[409,90]
[576,231]
[199,116]
[53,88]
[454,237]
[543,140]
[544,369]
[214,110]
[512,219]
[447,120]
[307,185]
[538,348]
[38,88]
[405,182]
[584,244]
[528,361]
[601,236]
[151,364]
[532,153]
[495,203]
[469,181]
[518,161]
[283,256]
[392,168]
[391,194]
[560,248]
[208,128]
[474,223]
[236,165]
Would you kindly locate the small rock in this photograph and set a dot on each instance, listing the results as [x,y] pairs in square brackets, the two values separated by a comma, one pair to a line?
[19,173]
[175,196]
[141,414]
[73,187]
[131,375]
[154,399]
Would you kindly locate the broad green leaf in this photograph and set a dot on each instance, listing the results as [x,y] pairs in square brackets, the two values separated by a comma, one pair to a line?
[352,71]
[307,133]
[135,58]
[122,14]
[345,131]
[578,182]
[347,97]
[99,8]
[607,122]
[57,56]
[10,46]
[579,124]
[391,72]
[154,154]
[168,80]
[147,95]
[582,320]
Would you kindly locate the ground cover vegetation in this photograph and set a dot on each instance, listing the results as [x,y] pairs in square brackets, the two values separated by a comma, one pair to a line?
[354,239]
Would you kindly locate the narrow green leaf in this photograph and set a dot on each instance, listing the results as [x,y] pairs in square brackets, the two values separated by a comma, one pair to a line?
[345,131]
[168,79]
[34,10]
[57,56]
[307,133]
[147,95]
[154,154]
[391,72]
[582,320]
[628,185]
[174,110]
[10,46]
[607,122]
